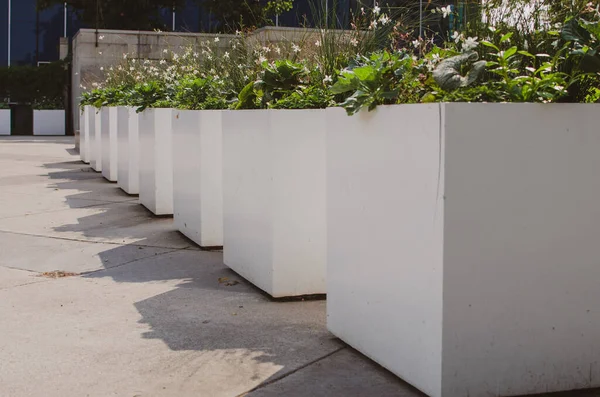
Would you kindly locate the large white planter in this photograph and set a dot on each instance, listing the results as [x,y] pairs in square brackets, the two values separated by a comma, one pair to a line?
[110,155]
[84,133]
[128,152]
[49,122]
[5,122]
[198,176]
[274,199]
[463,244]
[156,160]
[96,141]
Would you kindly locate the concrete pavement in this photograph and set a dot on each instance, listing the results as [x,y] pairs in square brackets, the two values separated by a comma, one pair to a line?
[148,313]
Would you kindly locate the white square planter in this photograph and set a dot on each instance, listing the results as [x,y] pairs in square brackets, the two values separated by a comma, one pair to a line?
[198,175]
[49,122]
[128,152]
[156,160]
[110,116]
[96,141]
[463,244]
[5,126]
[84,133]
[274,199]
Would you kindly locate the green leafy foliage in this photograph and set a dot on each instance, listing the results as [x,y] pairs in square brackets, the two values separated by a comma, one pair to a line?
[311,97]
[43,87]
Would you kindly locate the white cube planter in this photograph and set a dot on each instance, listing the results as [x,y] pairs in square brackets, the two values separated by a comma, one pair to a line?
[156,160]
[49,122]
[274,199]
[84,133]
[96,141]
[128,152]
[463,244]
[198,176]
[5,126]
[109,125]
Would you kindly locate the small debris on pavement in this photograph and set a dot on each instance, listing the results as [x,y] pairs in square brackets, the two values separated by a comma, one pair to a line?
[58,274]
[227,282]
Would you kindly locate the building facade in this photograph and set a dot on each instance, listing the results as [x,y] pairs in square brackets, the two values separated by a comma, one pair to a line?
[35,34]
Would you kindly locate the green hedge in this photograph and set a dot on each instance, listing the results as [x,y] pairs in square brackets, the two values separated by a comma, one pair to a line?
[43,87]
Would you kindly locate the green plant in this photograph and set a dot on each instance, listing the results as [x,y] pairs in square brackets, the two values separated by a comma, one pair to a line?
[278,79]
[199,94]
[311,97]
[378,79]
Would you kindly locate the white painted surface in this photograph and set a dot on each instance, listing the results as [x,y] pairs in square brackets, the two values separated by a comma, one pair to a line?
[96,142]
[470,270]
[521,248]
[5,122]
[110,154]
[274,199]
[156,160]
[49,122]
[84,133]
[384,263]
[128,152]
[198,175]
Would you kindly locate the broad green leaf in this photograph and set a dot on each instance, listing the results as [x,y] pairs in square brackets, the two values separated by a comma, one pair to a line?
[510,52]
[488,44]
[506,37]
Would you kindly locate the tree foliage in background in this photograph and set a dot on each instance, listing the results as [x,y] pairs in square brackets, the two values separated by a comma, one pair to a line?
[118,14]
[43,87]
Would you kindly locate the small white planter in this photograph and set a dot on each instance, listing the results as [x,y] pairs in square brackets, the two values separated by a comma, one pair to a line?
[96,141]
[274,199]
[156,160]
[5,122]
[110,154]
[463,244]
[128,152]
[49,122]
[198,176]
[84,133]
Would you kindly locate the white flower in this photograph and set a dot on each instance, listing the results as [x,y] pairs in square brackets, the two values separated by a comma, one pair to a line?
[416,43]
[102,68]
[217,40]
[327,79]
[266,49]
[94,84]
[99,52]
[457,37]
[101,38]
[278,50]
[373,25]
[262,59]
[354,42]
[446,11]
[470,43]
[165,51]
[318,43]
[131,69]
[376,10]
[226,55]
[162,62]
[384,19]
[125,56]
[295,48]
[237,33]
[435,57]
[133,60]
